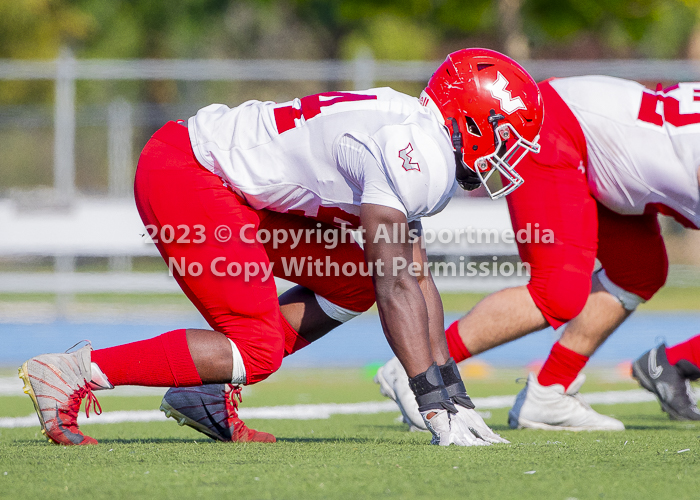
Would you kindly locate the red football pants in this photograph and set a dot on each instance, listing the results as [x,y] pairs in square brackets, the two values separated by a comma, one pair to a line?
[175,194]
[555,197]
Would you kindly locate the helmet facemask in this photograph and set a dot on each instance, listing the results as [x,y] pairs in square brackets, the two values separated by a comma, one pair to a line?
[504,159]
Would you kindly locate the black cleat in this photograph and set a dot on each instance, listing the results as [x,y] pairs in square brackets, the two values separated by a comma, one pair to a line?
[669,382]
[211,409]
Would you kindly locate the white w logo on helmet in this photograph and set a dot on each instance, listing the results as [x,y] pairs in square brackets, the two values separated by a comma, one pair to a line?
[498,91]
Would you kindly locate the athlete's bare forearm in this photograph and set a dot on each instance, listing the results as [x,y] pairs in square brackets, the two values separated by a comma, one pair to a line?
[404,317]
[402,307]
[433,301]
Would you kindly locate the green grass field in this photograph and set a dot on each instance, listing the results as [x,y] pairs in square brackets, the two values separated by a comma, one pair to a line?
[354,456]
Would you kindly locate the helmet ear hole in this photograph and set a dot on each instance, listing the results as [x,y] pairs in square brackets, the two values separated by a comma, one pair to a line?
[472,127]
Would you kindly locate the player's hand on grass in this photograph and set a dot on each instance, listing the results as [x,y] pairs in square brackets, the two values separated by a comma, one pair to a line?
[470,418]
[466,417]
[447,429]
[439,413]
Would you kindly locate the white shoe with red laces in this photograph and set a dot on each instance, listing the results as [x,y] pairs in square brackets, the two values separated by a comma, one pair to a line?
[213,410]
[57,384]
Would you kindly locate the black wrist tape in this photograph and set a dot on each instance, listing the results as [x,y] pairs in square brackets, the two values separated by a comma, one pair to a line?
[450,373]
[426,382]
[454,384]
[429,389]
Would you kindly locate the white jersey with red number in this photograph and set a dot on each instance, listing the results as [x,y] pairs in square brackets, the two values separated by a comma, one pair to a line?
[643,146]
[323,155]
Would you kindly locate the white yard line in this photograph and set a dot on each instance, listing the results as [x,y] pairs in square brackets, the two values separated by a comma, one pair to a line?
[323,411]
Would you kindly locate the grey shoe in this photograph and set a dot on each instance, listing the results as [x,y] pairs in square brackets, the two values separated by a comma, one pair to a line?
[670,384]
[57,384]
[213,410]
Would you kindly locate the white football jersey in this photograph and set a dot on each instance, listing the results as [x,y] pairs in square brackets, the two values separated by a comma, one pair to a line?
[323,155]
[643,146]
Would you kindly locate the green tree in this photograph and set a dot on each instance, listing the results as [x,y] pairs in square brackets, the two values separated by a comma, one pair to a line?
[608,28]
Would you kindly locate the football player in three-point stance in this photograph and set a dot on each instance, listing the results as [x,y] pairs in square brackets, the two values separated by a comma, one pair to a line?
[614,155]
[377,159]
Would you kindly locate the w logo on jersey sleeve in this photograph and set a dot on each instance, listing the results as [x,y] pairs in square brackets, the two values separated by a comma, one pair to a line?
[408,162]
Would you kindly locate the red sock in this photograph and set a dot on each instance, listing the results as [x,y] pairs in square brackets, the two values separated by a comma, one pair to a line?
[562,366]
[688,350]
[292,340]
[163,361]
[455,344]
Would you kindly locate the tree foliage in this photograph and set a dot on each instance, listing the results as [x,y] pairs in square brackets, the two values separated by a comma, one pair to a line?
[395,29]
[316,29]
[620,28]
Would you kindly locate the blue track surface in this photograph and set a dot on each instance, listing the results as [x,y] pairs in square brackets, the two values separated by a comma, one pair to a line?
[356,343]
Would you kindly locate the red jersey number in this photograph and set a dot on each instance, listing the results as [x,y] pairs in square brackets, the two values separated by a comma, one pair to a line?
[311,106]
[671,108]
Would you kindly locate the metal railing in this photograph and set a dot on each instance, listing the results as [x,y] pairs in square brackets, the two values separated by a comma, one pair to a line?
[121,117]
[363,72]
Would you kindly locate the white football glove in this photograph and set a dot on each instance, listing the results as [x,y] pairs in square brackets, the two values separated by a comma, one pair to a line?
[475,425]
[447,429]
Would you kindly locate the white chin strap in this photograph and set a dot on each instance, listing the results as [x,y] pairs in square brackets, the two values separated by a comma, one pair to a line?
[629,300]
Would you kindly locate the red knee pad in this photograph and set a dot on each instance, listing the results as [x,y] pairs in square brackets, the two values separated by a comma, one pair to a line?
[562,297]
[258,368]
[632,251]
[655,281]
[262,353]
[642,281]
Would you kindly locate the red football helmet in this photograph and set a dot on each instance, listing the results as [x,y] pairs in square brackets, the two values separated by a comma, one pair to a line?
[493,110]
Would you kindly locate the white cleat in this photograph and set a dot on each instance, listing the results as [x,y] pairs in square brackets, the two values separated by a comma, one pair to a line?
[393,383]
[552,408]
